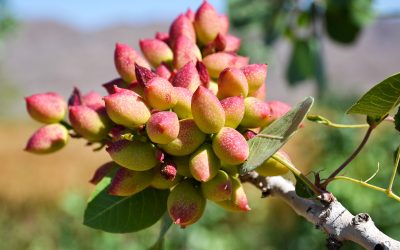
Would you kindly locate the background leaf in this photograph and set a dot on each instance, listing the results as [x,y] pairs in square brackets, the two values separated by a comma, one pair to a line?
[379,100]
[166,223]
[261,148]
[117,214]
[302,189]
[397,120]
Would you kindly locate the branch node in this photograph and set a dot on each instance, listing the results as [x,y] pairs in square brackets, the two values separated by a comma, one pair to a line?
[360,218]
[332,243]
[379,246]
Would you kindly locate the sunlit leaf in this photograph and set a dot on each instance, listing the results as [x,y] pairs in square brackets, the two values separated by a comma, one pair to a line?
[273,137]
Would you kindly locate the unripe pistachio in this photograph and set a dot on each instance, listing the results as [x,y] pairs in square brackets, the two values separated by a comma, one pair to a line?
[137,88]
[238,201]
[94,101]
[46,108]
[190,14]
[144,75]
[127,182]
[182,26]
[127,109]
[234,110]
[182,165]
[185,204]
[119,82]
[240,61]
[183,105]
[256,113]
[134,155]
[207,111]
[125,58]
[187,77]
[160,93]
[204,164]
[103,171]
[213,87]
[277,109]
[206,23]
[256,74]
[232,82]
[217,62]
[190,137]
[203,74]
[223,24]
[185,51]
[163,71]
[260,93]
[161,182]
[230,146]
[163,127]
[218,188]
[232,170]
[249,134]
[162,36]
[272,167]
[47,139]
[91,124]
[156,51]
[232,43]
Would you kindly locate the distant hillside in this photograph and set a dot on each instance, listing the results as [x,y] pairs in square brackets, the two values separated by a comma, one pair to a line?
[44,56]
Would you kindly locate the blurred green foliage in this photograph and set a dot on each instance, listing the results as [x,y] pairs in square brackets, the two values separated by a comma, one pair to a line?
[303,23]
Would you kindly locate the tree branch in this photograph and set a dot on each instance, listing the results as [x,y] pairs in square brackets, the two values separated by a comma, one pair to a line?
[332,218]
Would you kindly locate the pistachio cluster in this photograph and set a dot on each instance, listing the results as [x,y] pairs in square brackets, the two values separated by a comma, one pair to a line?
[177,118]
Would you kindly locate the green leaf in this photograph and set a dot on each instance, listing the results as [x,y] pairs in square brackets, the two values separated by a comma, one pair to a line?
[116,214]
[301,62]
[379,100]
[397,120]
[166,223]
[273,137]
[302,189]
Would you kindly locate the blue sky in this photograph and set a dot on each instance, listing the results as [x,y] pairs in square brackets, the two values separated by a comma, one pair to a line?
[97,14]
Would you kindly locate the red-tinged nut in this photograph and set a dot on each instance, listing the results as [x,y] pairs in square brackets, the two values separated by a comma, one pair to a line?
[185,51]
[182,165]
[240,61]
[234,110]
[127,182]
[187,77]
[232,82]
[190,14]
[127,109]
[249,134]
[109,86]
[218,188]
[143,74]
[206,23]
[46,108]
[277,109]
[103,171]
[260,93]
[238,201]
[134,155]
[232,43]
[203,74]
[183,105]
[156,51]
[223,24]
[256,74]
[47,139]
[163,127]
[163,71]
[217,62]
[125,58]
[91,124]
[190,137]
[256,113]
[230,146]
[160,93]
[213,87]
[168,170]
[75,98]
[162,36]
[204,164]
[160,182]
[272,167]
[182,26]
[207,111]
[137,88]
[185,204]
[93,100]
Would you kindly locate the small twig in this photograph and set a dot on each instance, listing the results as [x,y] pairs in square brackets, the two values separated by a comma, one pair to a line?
[270,136]
[388,192]
[373,175]
[350,159]
[394,172]
[322,120]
